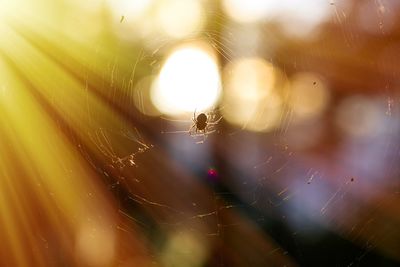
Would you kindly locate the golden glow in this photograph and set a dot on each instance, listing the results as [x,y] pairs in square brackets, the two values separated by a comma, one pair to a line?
[249,100]
[189,80]
[309,95]
[47,186]
[83,20]
[150,20]
[132,20]
[8,8]
[180,18]
[95,242]
[184,249]
[249,78]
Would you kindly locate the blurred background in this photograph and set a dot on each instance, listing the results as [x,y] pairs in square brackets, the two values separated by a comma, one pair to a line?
[100,163]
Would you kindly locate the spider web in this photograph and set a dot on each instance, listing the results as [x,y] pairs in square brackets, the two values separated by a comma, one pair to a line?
[336,194]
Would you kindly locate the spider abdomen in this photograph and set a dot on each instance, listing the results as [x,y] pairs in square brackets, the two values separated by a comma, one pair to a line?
[201,122]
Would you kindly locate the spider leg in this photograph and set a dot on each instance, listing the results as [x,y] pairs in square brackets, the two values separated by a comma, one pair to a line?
[173,120]
[204,135]
[200,133]
[191,130]
[210,132]
[215,122]
[173,132]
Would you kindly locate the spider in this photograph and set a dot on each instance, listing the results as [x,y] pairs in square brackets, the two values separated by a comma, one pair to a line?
[203,125]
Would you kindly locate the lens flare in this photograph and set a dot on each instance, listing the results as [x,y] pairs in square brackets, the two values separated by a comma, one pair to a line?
[188,81]
[249,98]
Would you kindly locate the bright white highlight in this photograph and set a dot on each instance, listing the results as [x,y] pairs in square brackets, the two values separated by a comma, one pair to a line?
[188,81]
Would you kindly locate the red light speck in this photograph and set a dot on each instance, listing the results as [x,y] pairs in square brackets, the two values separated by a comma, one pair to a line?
[212,173]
